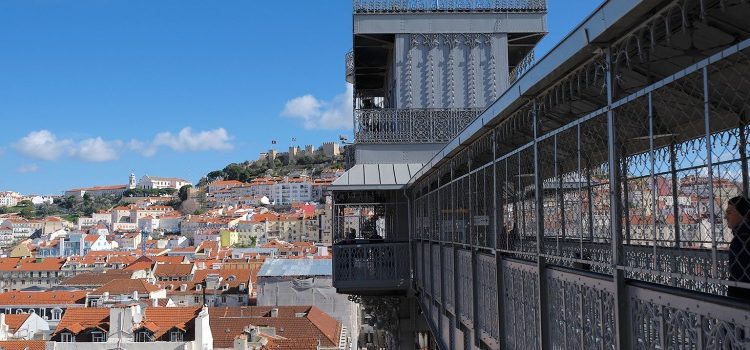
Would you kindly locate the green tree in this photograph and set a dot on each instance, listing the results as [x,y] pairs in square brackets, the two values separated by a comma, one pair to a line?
[25,203]
[27,212]
[184,191]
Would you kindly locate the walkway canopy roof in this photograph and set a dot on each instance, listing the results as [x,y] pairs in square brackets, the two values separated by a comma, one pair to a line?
[376,177]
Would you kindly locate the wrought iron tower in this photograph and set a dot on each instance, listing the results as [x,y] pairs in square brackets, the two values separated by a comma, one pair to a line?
[422,71]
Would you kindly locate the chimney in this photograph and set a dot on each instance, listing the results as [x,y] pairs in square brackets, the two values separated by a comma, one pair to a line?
[203,337]
[120,322]
[275,312]
[155,302]
[4,328]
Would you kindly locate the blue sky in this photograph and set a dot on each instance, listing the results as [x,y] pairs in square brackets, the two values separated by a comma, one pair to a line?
[91,90]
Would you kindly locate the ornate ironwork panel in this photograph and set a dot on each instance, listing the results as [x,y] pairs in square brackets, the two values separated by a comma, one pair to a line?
[487,309]
[426,269]
[448,279]
[664,321]
[410,125]
[374,265]
[520,300]
[581,311]
[420,266]
[464,290]
[437,273]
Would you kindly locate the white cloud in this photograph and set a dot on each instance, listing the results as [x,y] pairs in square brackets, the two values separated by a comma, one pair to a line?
[319,114]
[28,168]
[42,145]
[97,150]
[187,140]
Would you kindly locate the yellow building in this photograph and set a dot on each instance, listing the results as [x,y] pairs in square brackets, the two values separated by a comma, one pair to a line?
[22,250]
[228,238]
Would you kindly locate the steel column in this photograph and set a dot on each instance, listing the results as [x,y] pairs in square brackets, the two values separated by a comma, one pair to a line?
[543,326]
[709,161]
[622,324]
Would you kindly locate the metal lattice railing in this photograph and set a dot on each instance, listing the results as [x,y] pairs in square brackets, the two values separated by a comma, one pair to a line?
[372,266]
[410,125]
[396,6]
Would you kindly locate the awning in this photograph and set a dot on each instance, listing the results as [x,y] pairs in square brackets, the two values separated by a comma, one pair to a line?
[376,177]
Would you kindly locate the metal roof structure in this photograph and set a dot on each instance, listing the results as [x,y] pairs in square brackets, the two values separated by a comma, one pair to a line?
[296,267]
[376,177]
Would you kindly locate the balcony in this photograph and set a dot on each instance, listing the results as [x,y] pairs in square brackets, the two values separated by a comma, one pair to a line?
[401,6]
[371,268]
[410,125]
[349,61]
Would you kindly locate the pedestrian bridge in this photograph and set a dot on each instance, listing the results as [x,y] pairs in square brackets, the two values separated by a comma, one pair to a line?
[584,208]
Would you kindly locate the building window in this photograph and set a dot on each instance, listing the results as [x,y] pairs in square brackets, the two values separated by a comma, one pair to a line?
[142,337]
[98,337]
[197,299]
[175,336]
[66,337]
[56,313]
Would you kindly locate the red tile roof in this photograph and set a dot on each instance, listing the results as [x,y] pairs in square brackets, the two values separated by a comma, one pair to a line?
[161,320]
[96,278]
[139,265]
[42,298]
[31,264]
[127,286]
[15,321]
[23,344]
[170,270]
[79,319]
[295,326]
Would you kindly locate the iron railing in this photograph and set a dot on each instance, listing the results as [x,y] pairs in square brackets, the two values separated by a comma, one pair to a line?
[349,67]
[371,267]
[410,125]
[396,6]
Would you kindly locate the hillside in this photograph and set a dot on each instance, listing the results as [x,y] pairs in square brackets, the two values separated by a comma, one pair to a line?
[249,170]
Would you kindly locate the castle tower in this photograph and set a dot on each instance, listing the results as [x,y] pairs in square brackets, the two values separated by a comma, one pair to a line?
[131,181]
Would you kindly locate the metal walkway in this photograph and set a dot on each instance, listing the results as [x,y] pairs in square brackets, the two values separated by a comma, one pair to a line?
[584,209]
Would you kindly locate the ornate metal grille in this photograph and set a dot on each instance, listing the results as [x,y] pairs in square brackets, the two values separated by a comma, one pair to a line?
[372,265]
[520,318]
[448,279]
[410,125]
[678,323]
[395,6]
[487,313]
[464,290]
[581,311]
[436,273]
